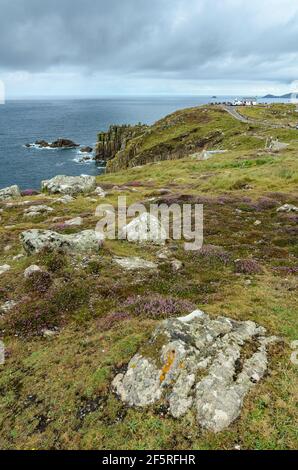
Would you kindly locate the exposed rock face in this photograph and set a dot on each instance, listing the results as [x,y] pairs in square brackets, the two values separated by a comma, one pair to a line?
[205,364]
[115,139]
[100,192]
[69,184]
[36,240]
[9,193]
[135,263]
[145,228]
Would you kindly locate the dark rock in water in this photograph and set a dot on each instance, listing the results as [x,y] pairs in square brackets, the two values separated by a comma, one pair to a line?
[63,143]
[42,143]
[28,145]
[86,149]
[59,143]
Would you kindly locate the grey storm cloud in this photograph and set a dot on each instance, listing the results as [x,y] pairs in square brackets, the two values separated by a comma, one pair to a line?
[181,39]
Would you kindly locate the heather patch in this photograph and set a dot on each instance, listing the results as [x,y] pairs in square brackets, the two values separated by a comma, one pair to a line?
[158,306]
[247,266]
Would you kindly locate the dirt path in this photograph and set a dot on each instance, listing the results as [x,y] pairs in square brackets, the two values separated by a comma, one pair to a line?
[236,115]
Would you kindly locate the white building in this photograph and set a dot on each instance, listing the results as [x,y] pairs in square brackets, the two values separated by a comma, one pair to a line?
[245,102]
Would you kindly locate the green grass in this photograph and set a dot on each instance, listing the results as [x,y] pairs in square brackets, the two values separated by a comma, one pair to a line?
[55,393]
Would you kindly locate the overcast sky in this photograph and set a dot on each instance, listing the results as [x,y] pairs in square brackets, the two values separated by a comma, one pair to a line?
[113,47]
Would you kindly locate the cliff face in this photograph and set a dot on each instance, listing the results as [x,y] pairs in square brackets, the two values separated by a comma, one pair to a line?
[176,136]
[115,139]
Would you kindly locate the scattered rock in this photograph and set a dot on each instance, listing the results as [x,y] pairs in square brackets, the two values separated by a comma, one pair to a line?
[69,184]
[145,228]
[176,265]
[11,192]
[59,143]
[86,149]
[100,192]
[49,333]
[7,306]
[65,199]
[19,256]
[34,211]
[4,268]
[198,362]
[287,208]
[36,240]
[257,222]
[31,269]
[134,263]
[74,222]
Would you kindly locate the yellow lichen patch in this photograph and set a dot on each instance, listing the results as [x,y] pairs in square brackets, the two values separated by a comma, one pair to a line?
[168,364]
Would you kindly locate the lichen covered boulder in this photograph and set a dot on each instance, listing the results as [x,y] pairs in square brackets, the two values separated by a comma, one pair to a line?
[69,184]
[35,241]
[200,363]
[11,192]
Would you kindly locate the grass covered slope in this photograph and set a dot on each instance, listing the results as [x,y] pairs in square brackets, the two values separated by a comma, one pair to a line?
[55,391]
[191,130]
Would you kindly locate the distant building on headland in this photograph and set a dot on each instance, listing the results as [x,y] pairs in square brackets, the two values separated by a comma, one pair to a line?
[245,102]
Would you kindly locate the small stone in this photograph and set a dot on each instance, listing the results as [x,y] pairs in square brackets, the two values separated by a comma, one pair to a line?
[134,263]
[74,222]
[287,208]
[100,192]
[65,199]
[34,211]
[176,265]
[49,333]
[4,268]
[257,222]
[32,269]
[17,257]
[7,306]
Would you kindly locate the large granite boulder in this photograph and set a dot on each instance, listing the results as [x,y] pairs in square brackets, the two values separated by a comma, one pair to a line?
[36,240]
[200,363]
[145,228]
[9,193]
[69,184]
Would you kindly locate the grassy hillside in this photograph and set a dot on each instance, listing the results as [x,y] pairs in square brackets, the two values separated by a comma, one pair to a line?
[55,392]
[191,130]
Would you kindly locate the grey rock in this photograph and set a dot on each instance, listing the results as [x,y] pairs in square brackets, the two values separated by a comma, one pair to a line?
[7,306]
[74,222]
[11,192]
[69,184]
[31,269]
[100,192]
[36,240]
[64,199]
[34,211]
[145,228]
[196,364]
[4,268]
[134,263]
[287,208]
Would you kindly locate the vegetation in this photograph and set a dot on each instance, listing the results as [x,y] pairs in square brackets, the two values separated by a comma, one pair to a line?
[55,390]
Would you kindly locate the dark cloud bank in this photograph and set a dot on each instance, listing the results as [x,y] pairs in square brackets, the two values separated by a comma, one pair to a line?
[169,39]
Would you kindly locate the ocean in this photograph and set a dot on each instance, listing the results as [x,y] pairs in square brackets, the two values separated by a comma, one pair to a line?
[25,121]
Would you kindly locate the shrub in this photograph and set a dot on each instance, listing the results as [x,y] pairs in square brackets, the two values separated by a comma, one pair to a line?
[39,281]
[54,261]
[213,252]
[113,319]
[31,317]
[247,266]
[158,306]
